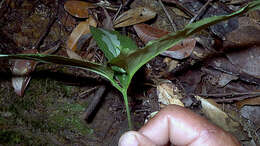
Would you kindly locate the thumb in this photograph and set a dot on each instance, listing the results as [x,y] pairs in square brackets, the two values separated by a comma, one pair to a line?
[133,138]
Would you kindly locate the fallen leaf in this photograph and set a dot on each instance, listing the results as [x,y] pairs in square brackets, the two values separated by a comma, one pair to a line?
[148,33]
[168,93]
[20,83]
[73,54]
[80,34]
[78,8]
[251,113]
[21,69]
[179,51]
[249,101]
[134,16]
[212,111]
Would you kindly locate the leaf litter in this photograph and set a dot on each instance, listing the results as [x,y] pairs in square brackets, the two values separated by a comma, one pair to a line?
[232,82]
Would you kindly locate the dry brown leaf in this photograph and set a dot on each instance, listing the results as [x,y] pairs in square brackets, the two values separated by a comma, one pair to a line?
[249,101]
[20,83]
[168,93]
[21,69]
[147,33]
[179,51]
[212,111]
[134,16]
[80,34]
[78,8]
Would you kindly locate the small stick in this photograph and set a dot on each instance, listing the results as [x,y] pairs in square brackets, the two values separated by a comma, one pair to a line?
[230,94]
[201,11]
[118,11]
[96,99]
[168,15]
[228,100]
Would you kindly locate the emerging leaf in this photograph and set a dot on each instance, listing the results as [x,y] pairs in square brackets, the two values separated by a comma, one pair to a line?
[112,43]
[134,16]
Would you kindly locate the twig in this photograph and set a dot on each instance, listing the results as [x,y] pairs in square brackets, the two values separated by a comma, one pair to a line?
[118,11]
[180,6]
[96,99]
[168,15]
[201,11]
[235,98]
[44,34]
[229,94]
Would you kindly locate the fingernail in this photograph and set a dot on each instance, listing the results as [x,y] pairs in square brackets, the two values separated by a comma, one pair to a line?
[128,139]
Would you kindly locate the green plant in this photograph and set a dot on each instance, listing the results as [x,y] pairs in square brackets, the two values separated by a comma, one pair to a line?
[124,57]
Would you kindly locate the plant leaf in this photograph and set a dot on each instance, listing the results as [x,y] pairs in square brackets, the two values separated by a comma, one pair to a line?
[94,67]
[132,61]
[112,43]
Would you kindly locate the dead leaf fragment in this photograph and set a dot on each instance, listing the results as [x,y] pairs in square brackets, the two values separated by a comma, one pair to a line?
[169,93]
[134,16]
[20,68]
[181,50]
[80,34]
[78,8]
[249,101]
[212,111]
[147,33]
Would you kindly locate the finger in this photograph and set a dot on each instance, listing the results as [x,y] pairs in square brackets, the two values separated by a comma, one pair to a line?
[181,126]
[133,138]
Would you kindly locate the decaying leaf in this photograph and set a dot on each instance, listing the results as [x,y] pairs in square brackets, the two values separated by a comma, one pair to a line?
[168,93]
[80,34]
[148,33]
[179,51]
[73,54]
[21,69]
[134,16]
[212,111]
[78,8]
[249,101]
[20,83]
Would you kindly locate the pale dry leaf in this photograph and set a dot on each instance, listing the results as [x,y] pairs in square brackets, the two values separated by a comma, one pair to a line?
[73,54]
[80,34]
[78,8]
[20,83]
[134,16]
[212,111]
[168,93]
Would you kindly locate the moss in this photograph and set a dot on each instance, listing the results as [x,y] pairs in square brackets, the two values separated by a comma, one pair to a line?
[47,108]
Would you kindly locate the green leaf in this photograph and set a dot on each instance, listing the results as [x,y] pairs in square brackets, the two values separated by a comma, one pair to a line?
[132,61]
[86,65]
[112,43]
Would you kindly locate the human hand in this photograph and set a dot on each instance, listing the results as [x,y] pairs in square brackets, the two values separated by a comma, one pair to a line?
[178,126]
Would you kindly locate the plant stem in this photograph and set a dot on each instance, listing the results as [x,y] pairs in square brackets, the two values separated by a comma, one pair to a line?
[124,92]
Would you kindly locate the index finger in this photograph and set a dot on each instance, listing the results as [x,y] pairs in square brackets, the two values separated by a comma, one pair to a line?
[181,126]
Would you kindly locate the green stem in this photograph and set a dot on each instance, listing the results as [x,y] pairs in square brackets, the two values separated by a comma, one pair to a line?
[124,92]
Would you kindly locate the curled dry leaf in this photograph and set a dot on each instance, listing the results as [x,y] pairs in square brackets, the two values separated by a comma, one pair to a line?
[134,16]
[179,51]
[78,8]
[168,93]
[212,111]
[80,34]
[20,83]
[21,69]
